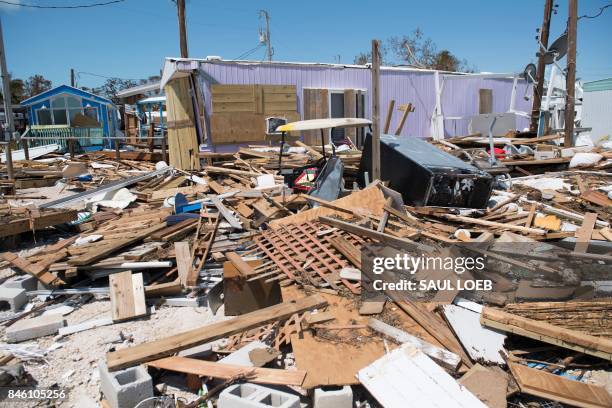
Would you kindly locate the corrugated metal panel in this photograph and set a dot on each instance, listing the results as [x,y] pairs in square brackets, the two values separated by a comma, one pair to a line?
[459,98]
[601,85]
[596,108]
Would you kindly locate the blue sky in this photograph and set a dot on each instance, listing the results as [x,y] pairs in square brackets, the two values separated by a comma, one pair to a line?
[131,39]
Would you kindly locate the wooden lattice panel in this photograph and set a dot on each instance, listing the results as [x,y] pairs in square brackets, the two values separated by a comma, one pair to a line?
[303,254]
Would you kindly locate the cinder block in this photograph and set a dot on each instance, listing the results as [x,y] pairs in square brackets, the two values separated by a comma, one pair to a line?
[333,397]
[126,388]
[241,356]
[256,396]
[27,329]
[12,298]
[27,282]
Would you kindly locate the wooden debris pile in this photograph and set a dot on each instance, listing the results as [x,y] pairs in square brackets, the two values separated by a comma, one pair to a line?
[296,272]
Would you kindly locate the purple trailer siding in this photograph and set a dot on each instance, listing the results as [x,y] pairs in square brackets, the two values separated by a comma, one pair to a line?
[459,96]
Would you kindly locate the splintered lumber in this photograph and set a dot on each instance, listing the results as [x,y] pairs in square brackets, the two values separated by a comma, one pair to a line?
[592,317]
[407,374]
[347,249]
[43,219]
[182,253]
[240,264]
[227,214]
[127,295]
[366,232]
[556,388]
[20,263]
[443,357]
[494,224]
[98,253]
[167,346]
[583,235]
[257,375]
[547,333]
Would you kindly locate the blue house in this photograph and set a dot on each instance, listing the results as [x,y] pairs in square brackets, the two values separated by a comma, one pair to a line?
[65,112]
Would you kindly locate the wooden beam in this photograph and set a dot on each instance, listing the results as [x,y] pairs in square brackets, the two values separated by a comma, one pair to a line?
[375,111]
[167,346]
[227,214]
[556,388]
[366,232]
[389,115]
[257,375]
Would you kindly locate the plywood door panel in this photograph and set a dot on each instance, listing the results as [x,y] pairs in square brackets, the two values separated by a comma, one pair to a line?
[182,135]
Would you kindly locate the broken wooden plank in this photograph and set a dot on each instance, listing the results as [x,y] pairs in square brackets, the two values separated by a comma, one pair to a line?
[257,375]
[243,268]
[556,388]
[127,295]
[443,357]
[20,263]
[184,265]
[103,251]
[547,333]
[379,236]
[490,385]
[167,346]
[583,235]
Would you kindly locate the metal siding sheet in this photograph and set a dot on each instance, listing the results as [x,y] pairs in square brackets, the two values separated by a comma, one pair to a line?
[459,96]
[596,108]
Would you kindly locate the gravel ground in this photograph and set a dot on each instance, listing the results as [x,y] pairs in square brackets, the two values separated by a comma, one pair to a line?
[73,361]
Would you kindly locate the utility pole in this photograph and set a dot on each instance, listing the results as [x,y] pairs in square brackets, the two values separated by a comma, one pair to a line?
[538,88]
[570,78]
[72,79]
[180,5]
[8,112]
[375,110]
[269,50]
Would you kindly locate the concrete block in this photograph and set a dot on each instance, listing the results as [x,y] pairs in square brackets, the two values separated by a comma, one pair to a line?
[256,396]
[26,282]
[27,329]
[333,397]
[126,388]
[201,351]
[12,298]
[241,356]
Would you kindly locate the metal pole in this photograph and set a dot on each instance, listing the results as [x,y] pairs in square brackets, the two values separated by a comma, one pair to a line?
[570,83]
[8,112]
[72,78]
[541,69]
[375,110]
[180,4]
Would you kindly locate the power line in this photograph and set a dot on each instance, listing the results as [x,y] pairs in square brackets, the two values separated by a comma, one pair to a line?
[61,7]
[601,10]
[104,76]
[249,52]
